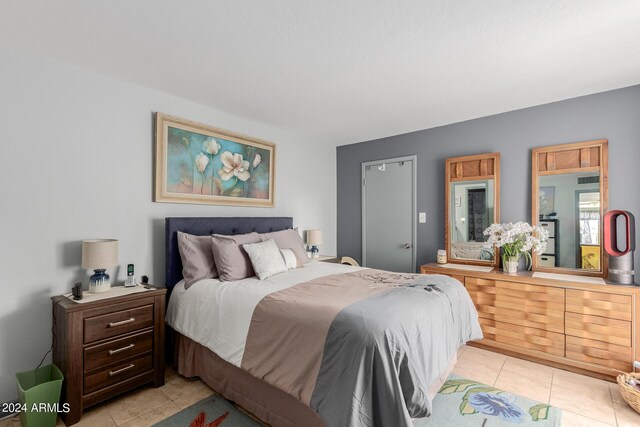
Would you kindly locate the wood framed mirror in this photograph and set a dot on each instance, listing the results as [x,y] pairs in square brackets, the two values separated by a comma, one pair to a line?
[569,197]
[472,203]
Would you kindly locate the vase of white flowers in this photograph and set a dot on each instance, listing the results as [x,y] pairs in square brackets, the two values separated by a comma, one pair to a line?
[516,241]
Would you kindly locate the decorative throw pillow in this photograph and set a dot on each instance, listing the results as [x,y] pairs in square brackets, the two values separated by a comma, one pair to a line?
[289,239]
[231,259]
[289,257]
[197,258]
[265,258]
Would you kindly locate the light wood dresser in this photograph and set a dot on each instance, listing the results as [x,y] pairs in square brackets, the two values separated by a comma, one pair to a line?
[107,347]
[581,327]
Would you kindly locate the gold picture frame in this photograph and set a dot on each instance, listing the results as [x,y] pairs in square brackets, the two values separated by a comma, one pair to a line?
[201,164]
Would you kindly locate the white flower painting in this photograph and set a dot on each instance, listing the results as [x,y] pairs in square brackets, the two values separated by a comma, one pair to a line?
[211,166]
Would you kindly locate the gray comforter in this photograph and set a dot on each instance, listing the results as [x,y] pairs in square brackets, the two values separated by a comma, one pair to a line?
[362,348]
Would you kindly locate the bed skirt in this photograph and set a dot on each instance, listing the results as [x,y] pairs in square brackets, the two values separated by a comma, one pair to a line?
[265,401]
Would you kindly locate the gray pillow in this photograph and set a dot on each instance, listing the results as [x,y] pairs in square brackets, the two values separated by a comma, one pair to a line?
[289,239]
[232,262]
[197,258]
[265,258]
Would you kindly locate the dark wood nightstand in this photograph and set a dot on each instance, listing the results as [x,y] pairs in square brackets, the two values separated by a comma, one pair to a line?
[107,347]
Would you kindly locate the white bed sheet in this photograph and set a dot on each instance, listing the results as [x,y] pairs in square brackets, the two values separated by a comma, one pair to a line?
[217,314]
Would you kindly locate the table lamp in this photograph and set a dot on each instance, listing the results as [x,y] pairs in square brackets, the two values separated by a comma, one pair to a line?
[98,255]
[314,238]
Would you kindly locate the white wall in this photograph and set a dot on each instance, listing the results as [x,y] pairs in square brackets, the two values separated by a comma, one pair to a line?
[77,162]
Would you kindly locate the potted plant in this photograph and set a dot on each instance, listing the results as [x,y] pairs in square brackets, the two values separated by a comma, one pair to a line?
[516,241]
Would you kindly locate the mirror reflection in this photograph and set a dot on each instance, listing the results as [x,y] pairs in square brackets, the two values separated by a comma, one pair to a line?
[569,209]
[471,212]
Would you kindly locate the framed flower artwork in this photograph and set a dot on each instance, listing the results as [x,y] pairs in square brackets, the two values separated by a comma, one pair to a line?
[201,164]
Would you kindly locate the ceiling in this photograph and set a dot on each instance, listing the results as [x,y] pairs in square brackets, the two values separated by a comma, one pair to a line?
[343,71]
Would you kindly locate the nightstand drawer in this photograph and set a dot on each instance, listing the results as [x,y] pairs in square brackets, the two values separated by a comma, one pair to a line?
[117,350]
[103,377]
[120,322]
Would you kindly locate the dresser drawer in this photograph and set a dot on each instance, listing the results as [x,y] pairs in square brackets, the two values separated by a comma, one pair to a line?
[100,378]
[117,350]
[517,291]
[120,322]
[480,288]
[597,328]
[600,353]
[536,293]
[479,282]
[602,304]
[523,337]
[520,304]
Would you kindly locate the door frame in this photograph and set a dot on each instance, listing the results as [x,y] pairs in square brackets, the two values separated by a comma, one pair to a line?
[414,203]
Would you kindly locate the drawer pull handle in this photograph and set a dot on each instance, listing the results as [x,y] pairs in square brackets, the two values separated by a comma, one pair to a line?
[119,371]
[112,352]
[123,322]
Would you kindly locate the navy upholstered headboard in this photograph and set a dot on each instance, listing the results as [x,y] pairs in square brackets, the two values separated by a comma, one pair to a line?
[203,226]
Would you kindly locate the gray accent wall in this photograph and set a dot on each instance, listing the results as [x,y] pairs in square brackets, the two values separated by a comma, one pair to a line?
[614,115]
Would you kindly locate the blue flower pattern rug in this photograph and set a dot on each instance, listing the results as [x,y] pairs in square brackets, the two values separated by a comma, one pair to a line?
[466,403]
[459,403]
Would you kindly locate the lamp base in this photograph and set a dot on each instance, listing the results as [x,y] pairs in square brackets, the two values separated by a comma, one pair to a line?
[99,282]
[315,252]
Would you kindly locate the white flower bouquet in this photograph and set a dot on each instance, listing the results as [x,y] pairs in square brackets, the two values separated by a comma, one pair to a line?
[516,240]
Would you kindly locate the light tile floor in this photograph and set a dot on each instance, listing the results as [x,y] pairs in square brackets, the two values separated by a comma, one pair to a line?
[586,402]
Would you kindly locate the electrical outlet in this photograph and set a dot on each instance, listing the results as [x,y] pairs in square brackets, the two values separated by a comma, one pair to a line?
[422,217]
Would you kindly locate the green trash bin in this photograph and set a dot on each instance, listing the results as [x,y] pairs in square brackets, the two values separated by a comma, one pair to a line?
[39,395]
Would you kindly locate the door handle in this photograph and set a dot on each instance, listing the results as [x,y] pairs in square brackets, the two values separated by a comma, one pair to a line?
[407,245]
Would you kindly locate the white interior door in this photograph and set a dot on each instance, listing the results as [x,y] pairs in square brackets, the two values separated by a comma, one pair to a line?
[388,214]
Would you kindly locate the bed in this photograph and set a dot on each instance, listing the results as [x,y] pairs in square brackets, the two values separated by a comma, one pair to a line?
[324,344]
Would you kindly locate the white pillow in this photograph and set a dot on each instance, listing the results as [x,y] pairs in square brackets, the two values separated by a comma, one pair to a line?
[265,258]
[290,259]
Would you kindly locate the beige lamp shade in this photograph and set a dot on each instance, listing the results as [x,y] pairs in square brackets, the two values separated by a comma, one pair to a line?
[99,253]
[314,237]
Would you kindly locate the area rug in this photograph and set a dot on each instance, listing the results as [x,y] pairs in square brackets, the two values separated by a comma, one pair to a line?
[213,411]
[459,403]
[465,403]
